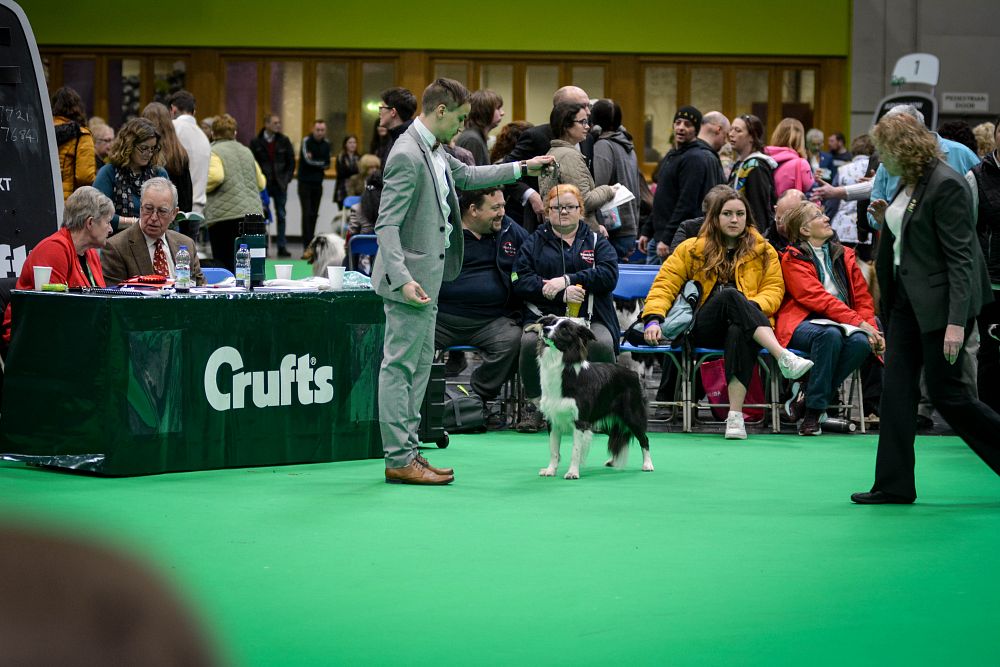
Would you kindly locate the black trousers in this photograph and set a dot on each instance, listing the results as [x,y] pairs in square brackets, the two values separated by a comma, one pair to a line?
[222,236]
[907,350]
[989,355]
[310,195]
[727,320]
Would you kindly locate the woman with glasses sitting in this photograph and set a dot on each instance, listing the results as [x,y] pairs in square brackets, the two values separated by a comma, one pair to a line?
[740,278]
[563,264]
[823,282]
[570,123]
[134,159]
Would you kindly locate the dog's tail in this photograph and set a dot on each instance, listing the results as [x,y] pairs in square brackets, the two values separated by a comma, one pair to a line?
[619,436]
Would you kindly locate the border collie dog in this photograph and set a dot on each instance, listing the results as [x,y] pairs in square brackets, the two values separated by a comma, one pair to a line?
[577,394]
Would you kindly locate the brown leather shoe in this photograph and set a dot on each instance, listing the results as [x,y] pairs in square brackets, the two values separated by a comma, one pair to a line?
[438,471]
[415,473]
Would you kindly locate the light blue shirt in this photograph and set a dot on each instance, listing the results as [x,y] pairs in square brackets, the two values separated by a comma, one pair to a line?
[956,156]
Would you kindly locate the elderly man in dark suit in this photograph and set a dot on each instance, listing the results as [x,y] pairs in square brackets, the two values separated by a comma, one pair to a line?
[149,247]
[933,283]
[420,241]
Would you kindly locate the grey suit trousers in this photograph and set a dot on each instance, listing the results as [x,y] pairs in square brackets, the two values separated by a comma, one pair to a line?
[402,382]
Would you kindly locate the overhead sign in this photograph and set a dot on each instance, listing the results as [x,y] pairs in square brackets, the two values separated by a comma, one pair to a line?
[924,103]
[31,200]
[965,102]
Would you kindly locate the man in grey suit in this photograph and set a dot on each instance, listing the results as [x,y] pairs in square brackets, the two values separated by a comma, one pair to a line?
[420,245]
[149,247]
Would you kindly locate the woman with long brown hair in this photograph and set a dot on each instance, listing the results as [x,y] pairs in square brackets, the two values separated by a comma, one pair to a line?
[485,113]
[175,158]
[742,288]
[134,159]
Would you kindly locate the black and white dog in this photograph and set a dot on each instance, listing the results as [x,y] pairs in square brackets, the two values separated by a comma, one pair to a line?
[577,394]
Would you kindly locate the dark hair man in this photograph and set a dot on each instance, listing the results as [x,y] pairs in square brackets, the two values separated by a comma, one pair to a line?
[314,160]
[688,172]
[421,244]
[276,157]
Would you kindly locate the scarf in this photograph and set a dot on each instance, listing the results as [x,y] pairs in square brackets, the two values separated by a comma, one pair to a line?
[126,189]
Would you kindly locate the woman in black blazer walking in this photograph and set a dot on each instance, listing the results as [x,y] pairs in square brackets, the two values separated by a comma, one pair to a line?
[933,283]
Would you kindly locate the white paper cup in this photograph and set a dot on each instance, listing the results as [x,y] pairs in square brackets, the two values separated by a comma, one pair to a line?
[283,271]
[42,275]
[336,276]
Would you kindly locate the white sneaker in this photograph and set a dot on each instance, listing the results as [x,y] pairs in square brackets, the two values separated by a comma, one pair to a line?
[735,430]
[793,366]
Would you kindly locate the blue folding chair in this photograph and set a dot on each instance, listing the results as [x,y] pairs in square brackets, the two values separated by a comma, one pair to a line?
[634,283]
[345,212]
[361,244]
[215,274]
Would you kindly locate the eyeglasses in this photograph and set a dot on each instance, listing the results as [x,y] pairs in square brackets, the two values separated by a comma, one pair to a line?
[158,212]
[383,107]
[585,122]
[565,209]
[147,150]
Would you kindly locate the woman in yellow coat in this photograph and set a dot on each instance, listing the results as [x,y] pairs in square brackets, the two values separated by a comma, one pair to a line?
[742,288]
[77,164]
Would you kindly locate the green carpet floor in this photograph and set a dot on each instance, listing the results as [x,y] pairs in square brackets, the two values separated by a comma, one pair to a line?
[728,554]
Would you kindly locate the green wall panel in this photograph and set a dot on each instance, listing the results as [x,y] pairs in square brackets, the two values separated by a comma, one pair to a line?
[724,27]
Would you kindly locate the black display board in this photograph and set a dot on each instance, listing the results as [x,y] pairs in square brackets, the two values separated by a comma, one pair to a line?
[30,187]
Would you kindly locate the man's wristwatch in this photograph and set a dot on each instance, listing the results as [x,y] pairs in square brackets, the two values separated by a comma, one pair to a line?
[523,164]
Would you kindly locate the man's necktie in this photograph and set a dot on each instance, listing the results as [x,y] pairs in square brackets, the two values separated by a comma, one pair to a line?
[160,260]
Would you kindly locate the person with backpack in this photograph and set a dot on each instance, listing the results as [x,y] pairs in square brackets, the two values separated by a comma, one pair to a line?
[752,174]
[77,163]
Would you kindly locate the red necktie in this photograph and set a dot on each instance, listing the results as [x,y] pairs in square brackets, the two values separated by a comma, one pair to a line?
[160,260]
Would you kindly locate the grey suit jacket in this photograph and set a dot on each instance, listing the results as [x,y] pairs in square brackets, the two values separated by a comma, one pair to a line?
[127,255]
[411,223]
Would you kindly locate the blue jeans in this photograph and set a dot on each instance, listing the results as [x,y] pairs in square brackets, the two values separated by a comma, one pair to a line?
[834,355]
[279,199]
[651,256]
[623,245]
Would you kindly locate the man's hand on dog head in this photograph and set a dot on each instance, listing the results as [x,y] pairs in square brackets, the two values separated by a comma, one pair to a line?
[415,294]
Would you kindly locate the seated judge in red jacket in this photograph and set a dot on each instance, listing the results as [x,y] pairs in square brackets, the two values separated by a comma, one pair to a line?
[823,282]
[71,251]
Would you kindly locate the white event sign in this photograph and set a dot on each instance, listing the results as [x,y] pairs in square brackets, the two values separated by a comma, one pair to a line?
[965,102]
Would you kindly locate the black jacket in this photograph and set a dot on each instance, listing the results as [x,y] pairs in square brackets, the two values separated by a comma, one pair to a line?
[509,241]
[687,174]
[279,172]
[542,256]
[941,263]
[987,175]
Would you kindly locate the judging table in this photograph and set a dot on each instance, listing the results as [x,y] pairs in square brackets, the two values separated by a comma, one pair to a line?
[122,385]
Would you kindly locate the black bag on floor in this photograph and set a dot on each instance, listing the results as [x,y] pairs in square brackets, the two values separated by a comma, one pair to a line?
[463,411]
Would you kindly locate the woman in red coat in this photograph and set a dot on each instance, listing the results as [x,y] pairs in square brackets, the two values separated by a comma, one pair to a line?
[823,282]
[71,251]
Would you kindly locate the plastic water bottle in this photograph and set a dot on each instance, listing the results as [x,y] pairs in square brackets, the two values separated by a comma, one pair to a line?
[182,269]
[243,266]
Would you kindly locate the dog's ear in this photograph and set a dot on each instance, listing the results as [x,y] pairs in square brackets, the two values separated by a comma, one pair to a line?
[547,320]
[586,335]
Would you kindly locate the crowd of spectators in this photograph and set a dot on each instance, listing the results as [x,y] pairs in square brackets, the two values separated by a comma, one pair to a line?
[790,239]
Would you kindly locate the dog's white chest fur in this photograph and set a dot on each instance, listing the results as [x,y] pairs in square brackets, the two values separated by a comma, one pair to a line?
[558,409]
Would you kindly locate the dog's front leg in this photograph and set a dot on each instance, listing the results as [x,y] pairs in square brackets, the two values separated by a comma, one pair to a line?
[581,443]
[555,435]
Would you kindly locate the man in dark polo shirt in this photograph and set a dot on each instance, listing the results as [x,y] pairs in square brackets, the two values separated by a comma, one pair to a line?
[479,308]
